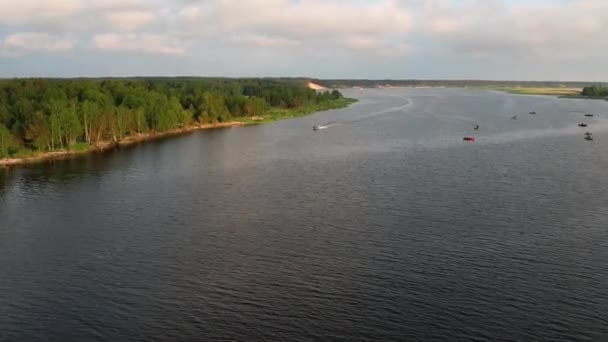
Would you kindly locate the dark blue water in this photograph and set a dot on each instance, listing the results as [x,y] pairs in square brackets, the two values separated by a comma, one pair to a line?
[386,226]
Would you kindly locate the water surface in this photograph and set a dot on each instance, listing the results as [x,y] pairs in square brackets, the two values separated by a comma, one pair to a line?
[384,226]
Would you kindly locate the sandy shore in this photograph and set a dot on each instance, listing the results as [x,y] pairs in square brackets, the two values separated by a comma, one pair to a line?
[316,87]
[107,145]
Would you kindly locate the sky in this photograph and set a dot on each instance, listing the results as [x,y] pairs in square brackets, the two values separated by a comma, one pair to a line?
[562,40]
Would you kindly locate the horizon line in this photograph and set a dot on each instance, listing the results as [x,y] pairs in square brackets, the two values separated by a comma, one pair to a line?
[301,78]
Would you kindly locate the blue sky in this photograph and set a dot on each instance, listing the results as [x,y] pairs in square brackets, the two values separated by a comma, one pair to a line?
[434,39]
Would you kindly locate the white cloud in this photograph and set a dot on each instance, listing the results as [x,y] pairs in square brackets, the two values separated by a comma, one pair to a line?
[116,4]
[29,42]
[190,12]
[76,15]
[18,12]
[500,31]
[304,25]
[264,41]
[144,43]
[361,42]
[447,25]
[495,28]
[130,20]
[304,18]
[373,46]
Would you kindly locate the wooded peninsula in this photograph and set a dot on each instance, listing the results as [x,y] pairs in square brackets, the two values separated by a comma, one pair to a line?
[41,116]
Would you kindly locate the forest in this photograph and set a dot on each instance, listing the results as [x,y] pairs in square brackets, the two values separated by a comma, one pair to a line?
[38,115]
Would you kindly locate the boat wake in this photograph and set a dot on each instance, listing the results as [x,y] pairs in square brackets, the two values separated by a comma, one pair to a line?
[327,125]
[382,113]
[374,115]
[330,125]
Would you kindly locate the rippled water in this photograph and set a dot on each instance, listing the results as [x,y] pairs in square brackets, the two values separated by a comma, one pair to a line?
[384,226]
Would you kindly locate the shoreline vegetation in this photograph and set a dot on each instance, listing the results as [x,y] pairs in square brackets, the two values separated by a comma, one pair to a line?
[549,91]
[47,119]
[101,146]
[597,92]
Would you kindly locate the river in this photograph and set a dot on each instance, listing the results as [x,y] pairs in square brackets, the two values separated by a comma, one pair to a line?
[385,225]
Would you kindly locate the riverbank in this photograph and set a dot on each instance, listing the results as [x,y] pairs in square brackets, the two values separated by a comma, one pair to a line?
[542,91]
[133,139]
[101,146]
[282,114]
[564,93]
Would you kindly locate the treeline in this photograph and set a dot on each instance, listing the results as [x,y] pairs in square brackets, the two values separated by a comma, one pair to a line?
[595,91]
[52,114]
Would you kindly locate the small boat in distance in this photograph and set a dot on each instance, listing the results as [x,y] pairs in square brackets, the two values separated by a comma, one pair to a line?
[532,113]
[589,115]
[476,127]
[588,134]
[468,138]
[315,128]
[588,137]
[582,125]
[514,117]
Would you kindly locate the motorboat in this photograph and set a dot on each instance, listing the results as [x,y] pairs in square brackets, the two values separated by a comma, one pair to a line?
[589,115]
[514,117]
[588,137]
[532,113]
[468,138]
[582,125]
[588,134]
[316,127]
[476,127]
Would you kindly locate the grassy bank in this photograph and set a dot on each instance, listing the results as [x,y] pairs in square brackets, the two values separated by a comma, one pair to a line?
[281,114]
[543,91]
[82,148]
[566,93]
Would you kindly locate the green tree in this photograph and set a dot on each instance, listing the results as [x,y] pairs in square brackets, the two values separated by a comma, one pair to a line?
[21,109]
[55,108]
[216,107]
[7,141]
[70,125]
[39,132]
[89,110]
[140,120]
[119,122]
[255,106]
[595,91]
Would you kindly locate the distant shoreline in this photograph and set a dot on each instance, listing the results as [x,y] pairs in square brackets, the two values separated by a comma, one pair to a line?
[561,92]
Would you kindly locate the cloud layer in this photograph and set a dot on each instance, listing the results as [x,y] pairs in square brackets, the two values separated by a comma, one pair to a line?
[352,38]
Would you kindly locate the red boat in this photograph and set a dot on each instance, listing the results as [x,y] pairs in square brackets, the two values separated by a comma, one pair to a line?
[468,138]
